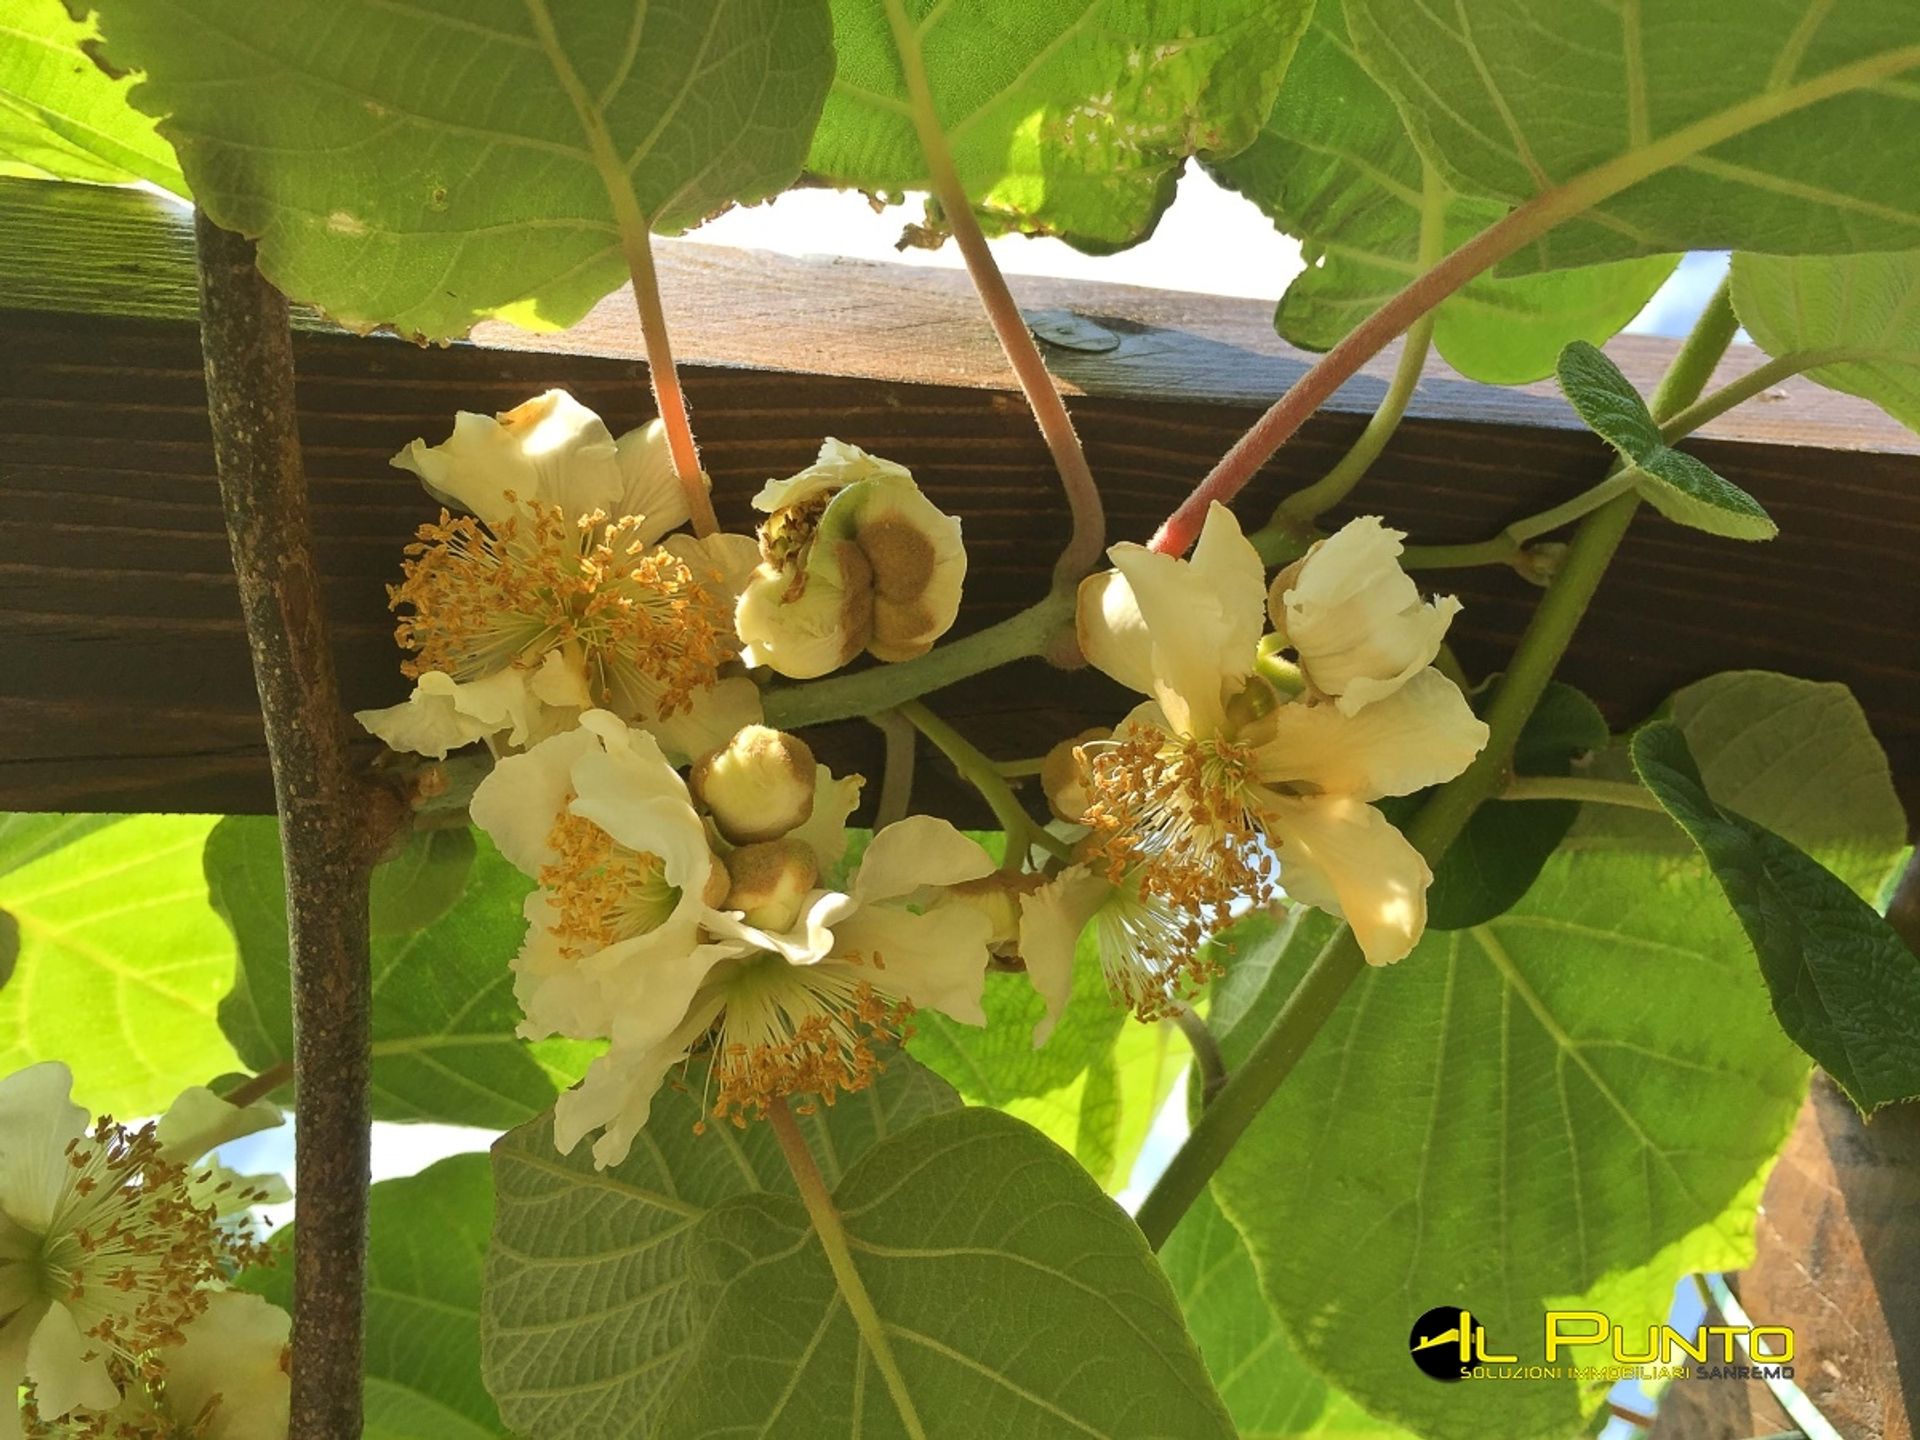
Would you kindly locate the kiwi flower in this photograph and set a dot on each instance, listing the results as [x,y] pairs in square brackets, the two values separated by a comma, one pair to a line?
[561,590]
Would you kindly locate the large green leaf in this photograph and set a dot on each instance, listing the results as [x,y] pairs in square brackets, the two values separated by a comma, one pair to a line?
[444,1047]
[1334,165]
[1015,1299]
[1269,1390]
[426,164]
[1569,1105]
[1676,484]
[1787,127]
[120,963]
[1064,116]
[1845,987]
[426,1240]
[1101,1117]
[63,116]
[589,1309]
[1863,310]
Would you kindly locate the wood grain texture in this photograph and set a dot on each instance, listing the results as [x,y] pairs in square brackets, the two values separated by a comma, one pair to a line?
[123,669]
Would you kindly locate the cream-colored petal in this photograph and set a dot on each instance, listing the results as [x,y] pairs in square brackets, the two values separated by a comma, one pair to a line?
[1112,634]
[1051,921]
[199,1121]
[1355,618]
[552,450]
[808,941]
[934,962]
[68,1370]
[919,850]
[616,1094]
[724,563]
[38,1120]
[804,636]
[1342,856]
[711,718]
[1418,735]
[444,714]
[233,1351]
[519,801]
[838,466]
[825,830]
[648,486]
[1204,619]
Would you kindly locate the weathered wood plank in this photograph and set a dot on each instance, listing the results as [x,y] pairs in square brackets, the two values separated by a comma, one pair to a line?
[123,673]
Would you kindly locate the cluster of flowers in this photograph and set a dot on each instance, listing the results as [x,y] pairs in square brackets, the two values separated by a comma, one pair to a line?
[117,1246]
[601,655]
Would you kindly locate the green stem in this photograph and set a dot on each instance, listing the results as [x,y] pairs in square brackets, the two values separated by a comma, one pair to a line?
[1089,535]
[1442,818]
[1576,787]
[789,707]
[260,1086]
[833,1240]
[1207,1058]
[1295,514]
[978,771]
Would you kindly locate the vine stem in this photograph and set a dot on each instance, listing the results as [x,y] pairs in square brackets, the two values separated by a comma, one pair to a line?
[867,692]
[1578,787]
[1295,515]
[1207,1058]
[896,768]
[1508,235]
[1089,534]
[827,1224]
[636,244]
[331,825]
[259,1087]
[979,771]
[1340,962]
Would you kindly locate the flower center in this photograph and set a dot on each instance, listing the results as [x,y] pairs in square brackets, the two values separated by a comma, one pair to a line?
[800,1030]
[602,892]
[1177,813]
[128,1251]
[481,600]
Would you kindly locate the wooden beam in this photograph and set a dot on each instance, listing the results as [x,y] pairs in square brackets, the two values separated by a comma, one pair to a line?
[123,669]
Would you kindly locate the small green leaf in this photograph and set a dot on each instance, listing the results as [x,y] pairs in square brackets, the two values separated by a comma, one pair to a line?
[1716,124]
[426,1240]
[1016,1299]
[424,881]
[1863,310]
[1677,485]
[424,165]
[1269,1390]
[61,115]
[1845,987]
[1069,117]
[1335,167]
[444,1047]
[121,961]
[588,1306]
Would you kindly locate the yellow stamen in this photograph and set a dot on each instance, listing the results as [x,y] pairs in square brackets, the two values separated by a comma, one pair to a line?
[601,891]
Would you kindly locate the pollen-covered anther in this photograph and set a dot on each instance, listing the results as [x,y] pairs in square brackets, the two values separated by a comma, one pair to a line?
[1176,813]
[602,892]
[1154,954]
[478,600]
[821,1048]
[1061,776]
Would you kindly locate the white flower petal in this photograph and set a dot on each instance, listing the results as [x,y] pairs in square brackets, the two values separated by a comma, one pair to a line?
[648,486]
[552,451]
[444,714]
[1420,734]
[37,1122]
[199,1121]
[618,1089]
[818,631]
[723,562]
[934,962]
[1112,634]
[518,803]
[68,1370]
[1203,616]
[1342,856]
[232,1350]
[838,466]
[825,830]
[711,717]
[807,942]
[1051,921]
[1355,618]
[919,850]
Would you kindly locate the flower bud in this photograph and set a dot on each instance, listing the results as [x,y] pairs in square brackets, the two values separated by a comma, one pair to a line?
[853,557]
[758,786]
[1060,776]
[771,882]
[997,897]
